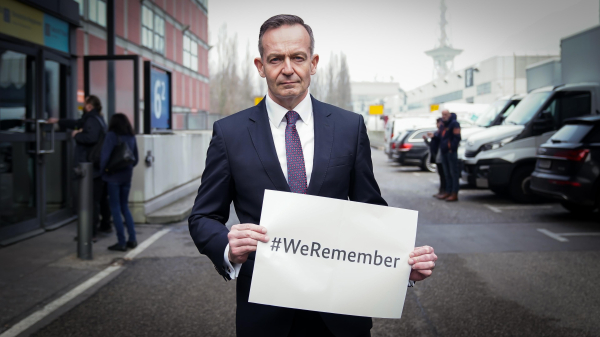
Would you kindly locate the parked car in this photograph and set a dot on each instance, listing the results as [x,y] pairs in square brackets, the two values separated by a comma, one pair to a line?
[395,126]
[410,149]
[568,165]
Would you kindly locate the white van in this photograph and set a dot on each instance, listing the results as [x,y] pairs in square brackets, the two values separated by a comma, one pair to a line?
[502,157]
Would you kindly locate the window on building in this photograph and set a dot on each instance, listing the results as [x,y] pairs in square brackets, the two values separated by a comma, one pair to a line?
[97,12]
[190,53]
[153,30]
[80,2]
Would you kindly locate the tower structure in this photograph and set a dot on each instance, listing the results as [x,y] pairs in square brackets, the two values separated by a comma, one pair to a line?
[443,55]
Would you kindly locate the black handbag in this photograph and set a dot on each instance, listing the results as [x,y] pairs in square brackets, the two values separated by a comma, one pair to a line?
[120,158]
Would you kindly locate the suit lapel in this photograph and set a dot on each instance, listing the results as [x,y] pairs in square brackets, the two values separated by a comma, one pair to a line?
[323,144]
[262,139]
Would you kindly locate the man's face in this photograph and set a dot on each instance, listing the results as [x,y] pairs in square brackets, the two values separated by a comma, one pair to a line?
[446,115]
[286,62]
[88,107]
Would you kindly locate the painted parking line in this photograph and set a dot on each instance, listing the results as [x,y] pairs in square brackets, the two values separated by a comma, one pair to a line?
[561,236]
[499,209]
[30,320]
[493,208]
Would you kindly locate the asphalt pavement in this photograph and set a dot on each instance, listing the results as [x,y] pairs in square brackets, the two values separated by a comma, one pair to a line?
[503,270]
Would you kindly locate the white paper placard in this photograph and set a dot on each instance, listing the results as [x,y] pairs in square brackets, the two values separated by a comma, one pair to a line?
[347,257]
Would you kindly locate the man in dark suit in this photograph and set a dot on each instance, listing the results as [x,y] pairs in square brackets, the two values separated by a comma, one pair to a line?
[288,142]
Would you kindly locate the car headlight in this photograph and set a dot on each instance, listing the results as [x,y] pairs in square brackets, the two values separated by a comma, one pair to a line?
[497,144]
[470,143]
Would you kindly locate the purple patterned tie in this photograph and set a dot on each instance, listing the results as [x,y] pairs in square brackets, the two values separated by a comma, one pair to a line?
[295,158]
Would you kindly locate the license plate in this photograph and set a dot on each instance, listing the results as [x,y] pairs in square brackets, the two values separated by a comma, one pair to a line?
[544,163]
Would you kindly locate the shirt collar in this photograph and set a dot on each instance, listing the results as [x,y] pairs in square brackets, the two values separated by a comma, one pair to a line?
[277,113]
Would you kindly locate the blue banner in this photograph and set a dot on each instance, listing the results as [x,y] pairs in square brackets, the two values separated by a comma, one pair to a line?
[160,100]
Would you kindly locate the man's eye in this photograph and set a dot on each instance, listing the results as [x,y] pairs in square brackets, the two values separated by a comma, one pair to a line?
[274,60]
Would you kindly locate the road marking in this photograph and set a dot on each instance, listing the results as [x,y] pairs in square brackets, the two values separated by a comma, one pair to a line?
[434,181]
[561,236]
[416,174]
[492,208]
[141,247]
[27,322]
[499,209]
[552,235]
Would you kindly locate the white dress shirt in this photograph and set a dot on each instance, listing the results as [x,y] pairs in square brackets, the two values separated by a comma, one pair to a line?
[306,132]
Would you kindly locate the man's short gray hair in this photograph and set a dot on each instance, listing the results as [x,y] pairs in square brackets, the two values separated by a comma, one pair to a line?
[282,20]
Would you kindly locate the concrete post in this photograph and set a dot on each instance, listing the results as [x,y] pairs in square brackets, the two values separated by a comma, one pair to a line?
[86,211]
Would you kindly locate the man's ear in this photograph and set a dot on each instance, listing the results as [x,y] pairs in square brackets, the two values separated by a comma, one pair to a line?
[260,66]
[313,64]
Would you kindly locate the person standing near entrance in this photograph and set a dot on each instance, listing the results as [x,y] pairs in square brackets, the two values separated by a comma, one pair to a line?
[450,139]
[87,132]
[119,182]
[288,142]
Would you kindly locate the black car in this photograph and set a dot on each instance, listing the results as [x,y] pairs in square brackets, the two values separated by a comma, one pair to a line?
[568,165]
[409,148]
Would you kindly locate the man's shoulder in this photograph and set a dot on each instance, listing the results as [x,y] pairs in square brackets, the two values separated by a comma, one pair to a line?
[236,120]
[338,113]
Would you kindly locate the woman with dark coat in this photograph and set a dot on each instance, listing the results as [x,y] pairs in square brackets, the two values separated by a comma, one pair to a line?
[119,181]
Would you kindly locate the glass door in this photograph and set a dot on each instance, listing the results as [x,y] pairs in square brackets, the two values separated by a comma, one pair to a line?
[18,167]
[57,184]
[34,158]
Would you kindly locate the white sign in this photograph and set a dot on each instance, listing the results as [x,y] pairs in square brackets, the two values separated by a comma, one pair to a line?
[333,255]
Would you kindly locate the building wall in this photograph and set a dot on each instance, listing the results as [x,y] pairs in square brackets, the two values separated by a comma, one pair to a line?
[190,87]
[492,78]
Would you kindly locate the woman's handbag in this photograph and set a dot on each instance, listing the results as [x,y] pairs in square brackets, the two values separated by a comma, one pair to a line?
[120,158]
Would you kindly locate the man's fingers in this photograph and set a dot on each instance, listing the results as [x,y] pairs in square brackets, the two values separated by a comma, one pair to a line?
[422,258]
[423,265]
[246,234]
[426,272]
[249,227]
[421,251]
[243,242]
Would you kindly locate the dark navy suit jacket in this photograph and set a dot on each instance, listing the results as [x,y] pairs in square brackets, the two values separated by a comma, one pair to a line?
[242,163]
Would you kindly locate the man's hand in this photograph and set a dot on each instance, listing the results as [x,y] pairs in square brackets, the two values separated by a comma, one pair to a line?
[430,134]
[52,120]
[243,239]
[74,132]
[422,260]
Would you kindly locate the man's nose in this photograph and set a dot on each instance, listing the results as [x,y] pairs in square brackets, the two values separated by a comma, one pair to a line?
[287,67]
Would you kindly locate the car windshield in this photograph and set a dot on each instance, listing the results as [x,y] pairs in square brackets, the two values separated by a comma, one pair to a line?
[488,116]
[527,108]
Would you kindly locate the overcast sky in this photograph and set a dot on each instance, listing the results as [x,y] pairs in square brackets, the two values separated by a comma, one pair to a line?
[387,38]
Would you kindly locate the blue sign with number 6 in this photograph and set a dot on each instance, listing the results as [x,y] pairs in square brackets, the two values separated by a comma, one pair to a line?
[160,100]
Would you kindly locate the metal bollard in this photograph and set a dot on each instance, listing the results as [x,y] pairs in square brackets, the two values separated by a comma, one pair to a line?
[86,211]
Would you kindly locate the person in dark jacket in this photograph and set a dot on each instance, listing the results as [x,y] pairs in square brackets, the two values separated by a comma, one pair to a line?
[119,181]
[449,141]
[87,132]
[433,141]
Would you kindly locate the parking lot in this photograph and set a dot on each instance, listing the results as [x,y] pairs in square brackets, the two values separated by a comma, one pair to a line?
[503,270]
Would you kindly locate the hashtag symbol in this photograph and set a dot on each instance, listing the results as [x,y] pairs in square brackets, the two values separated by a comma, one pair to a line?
[276,242]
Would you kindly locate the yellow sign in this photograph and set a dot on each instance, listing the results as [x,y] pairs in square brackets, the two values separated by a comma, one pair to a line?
[376,109]
[22,22]
[434,107]
[258,99]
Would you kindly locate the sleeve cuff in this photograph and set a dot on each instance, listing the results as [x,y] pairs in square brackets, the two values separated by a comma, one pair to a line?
[232,269]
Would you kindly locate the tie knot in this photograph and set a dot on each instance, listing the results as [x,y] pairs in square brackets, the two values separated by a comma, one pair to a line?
[292,117]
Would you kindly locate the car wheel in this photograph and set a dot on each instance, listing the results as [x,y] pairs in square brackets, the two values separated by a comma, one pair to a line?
[427,165]
[520,185]
[577,208]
